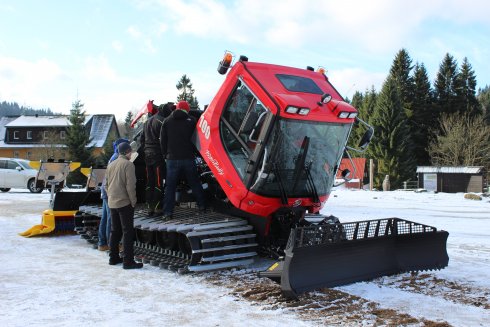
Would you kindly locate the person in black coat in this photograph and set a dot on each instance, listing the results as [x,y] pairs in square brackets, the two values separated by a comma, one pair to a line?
[179,152]
[155,164]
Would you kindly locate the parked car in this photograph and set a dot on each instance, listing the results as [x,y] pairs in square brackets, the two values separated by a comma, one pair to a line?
[16,173]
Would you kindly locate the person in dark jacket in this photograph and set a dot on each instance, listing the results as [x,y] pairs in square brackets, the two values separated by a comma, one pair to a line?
[121,191]
[179,151]
[155,164]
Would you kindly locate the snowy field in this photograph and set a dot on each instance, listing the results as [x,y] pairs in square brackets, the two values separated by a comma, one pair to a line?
[62,281]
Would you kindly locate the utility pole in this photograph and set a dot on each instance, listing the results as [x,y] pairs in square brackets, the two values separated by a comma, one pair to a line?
[371,174]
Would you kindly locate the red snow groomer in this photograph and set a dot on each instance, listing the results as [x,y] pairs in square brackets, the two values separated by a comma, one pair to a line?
[270,145]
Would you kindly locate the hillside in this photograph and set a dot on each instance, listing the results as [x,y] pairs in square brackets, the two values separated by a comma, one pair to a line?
[14,109]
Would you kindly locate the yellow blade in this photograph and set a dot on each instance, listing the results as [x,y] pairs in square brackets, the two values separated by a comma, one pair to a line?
[74,165]
[86,171]
[35,164]
[46,227]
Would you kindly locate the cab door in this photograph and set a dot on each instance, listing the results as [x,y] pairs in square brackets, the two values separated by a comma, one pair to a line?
[241,127]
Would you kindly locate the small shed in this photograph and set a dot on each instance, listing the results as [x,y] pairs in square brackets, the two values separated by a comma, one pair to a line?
[452,179]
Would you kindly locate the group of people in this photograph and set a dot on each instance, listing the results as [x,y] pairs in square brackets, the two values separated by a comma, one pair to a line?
[169,154]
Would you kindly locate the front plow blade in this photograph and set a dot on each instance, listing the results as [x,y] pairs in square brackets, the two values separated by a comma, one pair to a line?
[46,227]
[338,254]
[52,222]
[60,219]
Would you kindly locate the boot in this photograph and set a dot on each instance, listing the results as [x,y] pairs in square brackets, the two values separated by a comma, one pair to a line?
[103,248]
[115,261]
[133,265]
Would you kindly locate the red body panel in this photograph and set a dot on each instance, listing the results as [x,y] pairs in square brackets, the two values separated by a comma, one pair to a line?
[147,108]
[261,80]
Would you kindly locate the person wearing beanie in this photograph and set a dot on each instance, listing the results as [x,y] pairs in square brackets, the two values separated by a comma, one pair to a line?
[121,191]
[183,105]
[179,152]
[105,220]
[155,165]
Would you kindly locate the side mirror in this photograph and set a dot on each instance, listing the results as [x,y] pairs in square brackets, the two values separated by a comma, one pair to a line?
[366,138]
[19,168]
[346,174]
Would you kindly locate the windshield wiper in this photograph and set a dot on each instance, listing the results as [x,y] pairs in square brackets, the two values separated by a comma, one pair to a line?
[311,183]
[302,166]
[282,189]
[300,162]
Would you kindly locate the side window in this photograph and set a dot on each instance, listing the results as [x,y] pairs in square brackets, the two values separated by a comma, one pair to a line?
[240,126]
[3,164]
[12,164]
[238,106]
[245,115]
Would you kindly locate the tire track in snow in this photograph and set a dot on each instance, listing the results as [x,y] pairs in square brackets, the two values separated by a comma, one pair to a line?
[322,307]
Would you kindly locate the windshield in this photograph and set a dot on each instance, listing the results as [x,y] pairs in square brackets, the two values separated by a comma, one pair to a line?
[24,164]
[299,154]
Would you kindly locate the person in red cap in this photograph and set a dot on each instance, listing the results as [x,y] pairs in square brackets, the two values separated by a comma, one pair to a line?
[179,152]
[155,164]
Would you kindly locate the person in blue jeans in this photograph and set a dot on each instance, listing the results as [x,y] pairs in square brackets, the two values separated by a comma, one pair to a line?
[179,151]
[105,220]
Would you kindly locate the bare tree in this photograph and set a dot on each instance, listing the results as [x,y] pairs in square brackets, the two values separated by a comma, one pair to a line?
[462,141]
[51,145]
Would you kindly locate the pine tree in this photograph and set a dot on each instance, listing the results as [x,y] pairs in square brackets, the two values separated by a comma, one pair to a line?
[447,87]
[400,72]
[390,146]
[484,101]
[401,75]
[365,104]
[128,131]
[77,141]
[184,86]
[467,82]
[424,117]
[368,104]
[355,137]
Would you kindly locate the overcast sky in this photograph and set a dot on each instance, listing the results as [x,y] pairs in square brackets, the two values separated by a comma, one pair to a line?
[116,55]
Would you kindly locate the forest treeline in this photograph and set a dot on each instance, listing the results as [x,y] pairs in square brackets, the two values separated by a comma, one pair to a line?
[420,123]
[14,109]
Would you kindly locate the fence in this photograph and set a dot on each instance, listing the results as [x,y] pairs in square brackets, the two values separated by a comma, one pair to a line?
[410,185]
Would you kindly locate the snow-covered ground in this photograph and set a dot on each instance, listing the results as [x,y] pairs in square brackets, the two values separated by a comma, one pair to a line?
[61,281]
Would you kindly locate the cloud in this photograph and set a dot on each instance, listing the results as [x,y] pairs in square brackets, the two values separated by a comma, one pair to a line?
[377,25]
[116,45]
[19,78]
[349,80]
[98,68]
[148,46]
[7,8]
[134,32]
[161,29]
[44,84]
[146,41]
